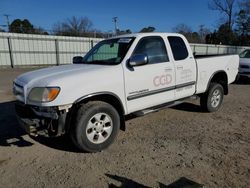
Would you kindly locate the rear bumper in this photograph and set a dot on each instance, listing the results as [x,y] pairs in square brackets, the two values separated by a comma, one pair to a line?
[36,121]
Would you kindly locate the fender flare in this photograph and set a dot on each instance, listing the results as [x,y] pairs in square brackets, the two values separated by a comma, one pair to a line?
[212,76]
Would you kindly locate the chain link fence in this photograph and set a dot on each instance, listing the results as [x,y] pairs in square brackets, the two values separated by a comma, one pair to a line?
[41,50]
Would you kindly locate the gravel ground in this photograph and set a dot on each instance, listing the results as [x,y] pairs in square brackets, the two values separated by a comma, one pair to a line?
[176,147]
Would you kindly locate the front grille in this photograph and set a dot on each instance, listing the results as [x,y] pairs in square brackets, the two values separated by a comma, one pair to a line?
[18,92]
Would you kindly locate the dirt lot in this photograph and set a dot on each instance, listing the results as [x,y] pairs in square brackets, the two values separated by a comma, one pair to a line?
[175,147]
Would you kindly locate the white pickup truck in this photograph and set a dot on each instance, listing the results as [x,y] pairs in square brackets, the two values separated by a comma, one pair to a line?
[124,75]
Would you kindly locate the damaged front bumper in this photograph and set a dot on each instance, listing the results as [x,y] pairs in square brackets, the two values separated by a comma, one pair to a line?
[43,121]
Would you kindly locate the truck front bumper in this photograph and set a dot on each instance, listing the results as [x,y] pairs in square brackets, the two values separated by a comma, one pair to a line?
[37,121]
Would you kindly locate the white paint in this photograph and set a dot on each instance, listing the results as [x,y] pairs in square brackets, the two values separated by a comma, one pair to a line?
[79,80]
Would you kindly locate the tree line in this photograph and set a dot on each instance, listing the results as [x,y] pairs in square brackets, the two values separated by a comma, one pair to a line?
[233,28]
[74,26]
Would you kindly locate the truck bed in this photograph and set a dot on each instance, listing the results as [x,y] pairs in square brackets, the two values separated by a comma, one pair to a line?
[208,65]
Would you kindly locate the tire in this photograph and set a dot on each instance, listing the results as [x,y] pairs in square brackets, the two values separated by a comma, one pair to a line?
[95,127]
[211,100]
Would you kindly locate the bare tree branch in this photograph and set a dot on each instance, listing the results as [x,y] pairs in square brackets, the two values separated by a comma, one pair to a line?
[73,26]
[226,7]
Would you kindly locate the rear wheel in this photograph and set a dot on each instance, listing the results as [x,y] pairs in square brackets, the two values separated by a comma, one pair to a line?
[211,100]
[96,126]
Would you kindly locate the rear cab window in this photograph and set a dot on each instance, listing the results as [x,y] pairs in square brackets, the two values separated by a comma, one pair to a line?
[178,48]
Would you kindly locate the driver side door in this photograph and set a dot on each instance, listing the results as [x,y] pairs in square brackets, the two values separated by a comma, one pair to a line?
[151,84]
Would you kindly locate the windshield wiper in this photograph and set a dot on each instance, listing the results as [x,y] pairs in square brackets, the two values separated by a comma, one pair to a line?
[100,62]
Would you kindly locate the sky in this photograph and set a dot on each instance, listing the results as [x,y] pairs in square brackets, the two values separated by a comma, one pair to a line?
[164,15]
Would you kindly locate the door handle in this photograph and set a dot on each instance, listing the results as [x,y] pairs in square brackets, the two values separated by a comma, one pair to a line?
[179,67]
[168,69]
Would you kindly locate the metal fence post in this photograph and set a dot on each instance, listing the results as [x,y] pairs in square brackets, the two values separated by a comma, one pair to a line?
[10,52]
[207,50]
[92,43]
[57,52]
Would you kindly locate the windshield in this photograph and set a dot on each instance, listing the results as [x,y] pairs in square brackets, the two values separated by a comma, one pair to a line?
[108,52]
[245,54]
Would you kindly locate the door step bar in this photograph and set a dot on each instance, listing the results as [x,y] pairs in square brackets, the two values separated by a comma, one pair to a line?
[162,106]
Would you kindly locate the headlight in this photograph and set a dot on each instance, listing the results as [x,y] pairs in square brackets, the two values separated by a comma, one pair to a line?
[43,94]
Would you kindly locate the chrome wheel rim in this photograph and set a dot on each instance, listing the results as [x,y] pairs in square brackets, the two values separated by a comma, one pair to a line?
[216,98]
[99,128]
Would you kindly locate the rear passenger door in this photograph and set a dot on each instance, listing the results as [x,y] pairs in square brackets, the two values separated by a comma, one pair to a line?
[185,67]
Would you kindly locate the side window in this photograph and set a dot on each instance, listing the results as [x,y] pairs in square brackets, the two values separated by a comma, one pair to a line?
[178,47]
[154,48]
[105,52]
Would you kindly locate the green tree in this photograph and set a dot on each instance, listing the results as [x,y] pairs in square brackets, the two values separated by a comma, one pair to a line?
[21,26]
[224,36]
[212,38]
[40,31]
[148,29]
[123,32]
[243,23]
[243,27]
[203,32]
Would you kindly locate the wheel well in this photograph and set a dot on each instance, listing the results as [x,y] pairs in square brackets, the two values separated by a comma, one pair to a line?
[108,98]
[221,78]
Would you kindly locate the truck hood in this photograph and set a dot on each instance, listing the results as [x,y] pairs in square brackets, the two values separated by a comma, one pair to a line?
[74,80]
[46,75]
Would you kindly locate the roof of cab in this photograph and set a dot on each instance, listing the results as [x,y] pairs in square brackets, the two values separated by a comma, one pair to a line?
[147,34]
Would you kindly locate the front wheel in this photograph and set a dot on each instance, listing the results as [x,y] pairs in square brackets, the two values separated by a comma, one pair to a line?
[211,100]
[96,126]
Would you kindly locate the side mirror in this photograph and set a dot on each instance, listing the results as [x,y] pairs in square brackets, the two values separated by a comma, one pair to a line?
[77,60]
[138,60]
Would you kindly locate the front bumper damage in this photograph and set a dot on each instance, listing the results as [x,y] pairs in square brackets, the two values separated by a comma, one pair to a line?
[43,121]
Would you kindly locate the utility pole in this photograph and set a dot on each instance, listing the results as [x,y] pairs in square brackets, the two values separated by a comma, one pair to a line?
[115,20]
[7,20]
